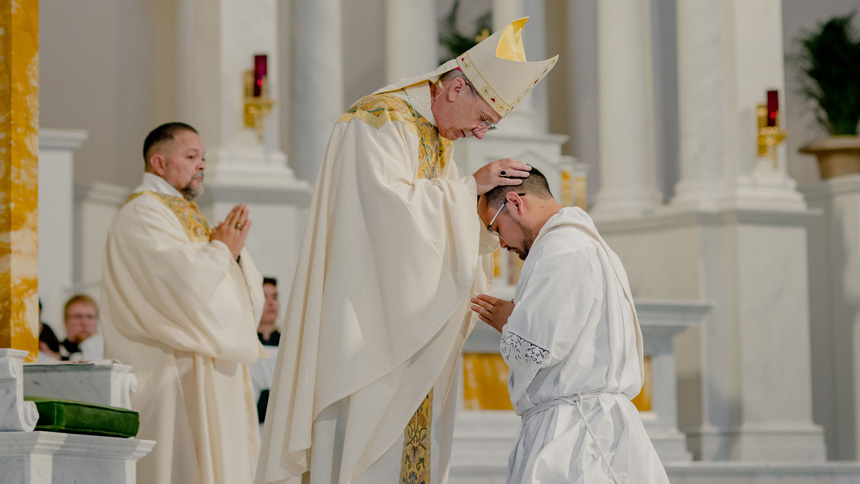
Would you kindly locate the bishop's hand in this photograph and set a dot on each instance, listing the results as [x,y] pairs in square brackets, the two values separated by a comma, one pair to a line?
[492,310]
[500,172]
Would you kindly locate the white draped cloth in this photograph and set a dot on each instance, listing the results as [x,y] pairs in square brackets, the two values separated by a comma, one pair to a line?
[379,307]
[574,350]
[183,314]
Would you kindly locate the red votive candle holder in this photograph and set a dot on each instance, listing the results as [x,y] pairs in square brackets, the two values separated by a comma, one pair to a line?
[260,70]
[772,107]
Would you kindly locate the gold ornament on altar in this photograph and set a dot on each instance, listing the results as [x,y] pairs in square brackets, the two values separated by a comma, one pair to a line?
[258,104]
[770,136]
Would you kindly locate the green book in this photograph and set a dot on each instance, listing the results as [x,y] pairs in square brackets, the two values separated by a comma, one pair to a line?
[69,416]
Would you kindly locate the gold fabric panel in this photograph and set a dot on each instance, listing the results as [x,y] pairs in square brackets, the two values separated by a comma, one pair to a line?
[485,382]
[643,400]
[378,109]
[19,176]
[415,460]
[196,227]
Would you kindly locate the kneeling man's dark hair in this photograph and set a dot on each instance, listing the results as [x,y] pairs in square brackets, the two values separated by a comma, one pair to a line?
[535,184]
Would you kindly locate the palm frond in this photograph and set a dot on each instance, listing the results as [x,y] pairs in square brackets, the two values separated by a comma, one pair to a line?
[829,61]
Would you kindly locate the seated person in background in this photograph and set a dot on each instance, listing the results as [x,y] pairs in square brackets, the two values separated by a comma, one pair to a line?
[49,345]
[81,343]
[266,331]
[264,370]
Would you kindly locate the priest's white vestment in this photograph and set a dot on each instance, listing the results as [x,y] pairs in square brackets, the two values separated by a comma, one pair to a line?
[183,313]
[574,349]
[379,307]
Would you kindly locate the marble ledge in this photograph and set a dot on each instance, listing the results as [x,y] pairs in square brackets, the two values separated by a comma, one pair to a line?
[102,383]
[674,217]
[57,458]
[671,313]
[61,138]
[291,192]
[73,445]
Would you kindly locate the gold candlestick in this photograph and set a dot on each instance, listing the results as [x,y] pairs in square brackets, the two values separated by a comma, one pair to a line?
[769,137]
[256,107]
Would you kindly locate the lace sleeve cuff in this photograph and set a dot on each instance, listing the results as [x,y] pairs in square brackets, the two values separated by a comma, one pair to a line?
[522,353]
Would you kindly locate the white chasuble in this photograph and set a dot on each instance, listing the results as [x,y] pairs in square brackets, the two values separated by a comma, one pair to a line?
[183,314]
[379,307]
[574,349]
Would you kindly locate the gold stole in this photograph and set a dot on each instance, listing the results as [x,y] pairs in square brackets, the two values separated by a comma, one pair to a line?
[193,222]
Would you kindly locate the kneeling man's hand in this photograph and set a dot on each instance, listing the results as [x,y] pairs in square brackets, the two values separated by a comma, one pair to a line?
[492,310]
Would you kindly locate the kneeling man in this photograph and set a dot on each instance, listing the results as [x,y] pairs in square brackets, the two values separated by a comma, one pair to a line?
[572,341]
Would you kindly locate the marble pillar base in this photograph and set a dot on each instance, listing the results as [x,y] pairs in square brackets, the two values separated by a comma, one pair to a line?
[661,321]
[744,375]
[97,383]
[835,315]
[55,458]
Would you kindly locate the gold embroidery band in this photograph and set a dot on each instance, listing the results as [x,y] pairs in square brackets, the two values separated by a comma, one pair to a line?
[192,220]
[415,463]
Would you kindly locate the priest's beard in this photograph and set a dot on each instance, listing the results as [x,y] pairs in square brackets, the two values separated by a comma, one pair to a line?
[528,240]
[190,191]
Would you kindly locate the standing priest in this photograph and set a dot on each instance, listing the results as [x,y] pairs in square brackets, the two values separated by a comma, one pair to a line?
[393,250]
[180,304]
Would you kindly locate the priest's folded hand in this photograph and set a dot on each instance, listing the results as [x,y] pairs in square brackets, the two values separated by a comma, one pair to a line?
[234,229]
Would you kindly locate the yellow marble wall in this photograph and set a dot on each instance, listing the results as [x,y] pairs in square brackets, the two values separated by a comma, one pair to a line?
[485,382]
[19,141]
[643,400]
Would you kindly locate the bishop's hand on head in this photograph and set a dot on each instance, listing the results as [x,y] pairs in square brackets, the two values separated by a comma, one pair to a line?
[500,172]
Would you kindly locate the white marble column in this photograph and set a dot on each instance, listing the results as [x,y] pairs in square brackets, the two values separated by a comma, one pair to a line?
[317,81]
[216,44]
[524,118]
[505,11]
[701,91]
[729,56]
[217,41]
[411,38]
[626,111]
[56,220]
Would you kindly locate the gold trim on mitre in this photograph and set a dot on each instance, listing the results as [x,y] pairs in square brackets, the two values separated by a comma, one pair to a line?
[498,69]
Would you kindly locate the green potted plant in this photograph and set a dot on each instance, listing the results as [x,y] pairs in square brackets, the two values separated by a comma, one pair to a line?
[829,64]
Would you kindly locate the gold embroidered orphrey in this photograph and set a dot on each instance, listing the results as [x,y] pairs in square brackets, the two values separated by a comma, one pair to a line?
[415,463]
[193,222]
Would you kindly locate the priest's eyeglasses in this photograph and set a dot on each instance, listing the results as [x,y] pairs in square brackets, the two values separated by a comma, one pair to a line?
[497,215]
[486,122]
